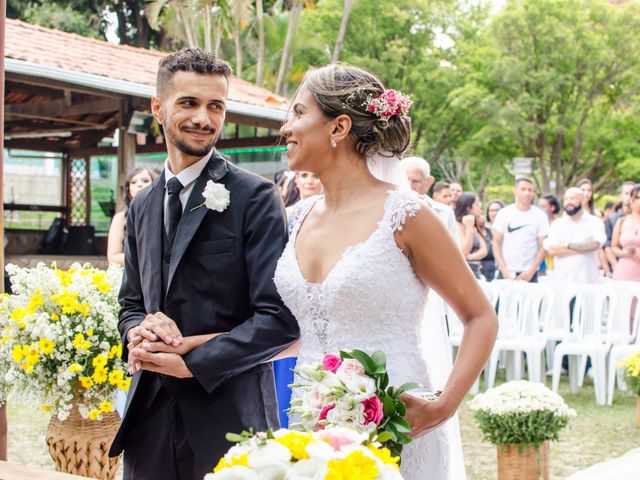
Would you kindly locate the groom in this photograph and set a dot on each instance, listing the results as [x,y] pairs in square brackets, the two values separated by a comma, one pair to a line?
[200,313]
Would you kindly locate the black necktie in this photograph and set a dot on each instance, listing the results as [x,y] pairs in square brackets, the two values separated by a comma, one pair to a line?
[174,206]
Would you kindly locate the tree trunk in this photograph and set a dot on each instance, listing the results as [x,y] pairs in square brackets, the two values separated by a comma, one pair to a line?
[207,25]
[122,25]
[294,17]
[343,30]
[184,19]
[238,44]
[260,20]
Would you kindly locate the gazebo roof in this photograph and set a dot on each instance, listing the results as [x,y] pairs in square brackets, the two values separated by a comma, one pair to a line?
[65,92]
[74,53]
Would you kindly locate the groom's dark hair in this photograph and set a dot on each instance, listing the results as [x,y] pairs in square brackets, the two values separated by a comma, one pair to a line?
[189,60]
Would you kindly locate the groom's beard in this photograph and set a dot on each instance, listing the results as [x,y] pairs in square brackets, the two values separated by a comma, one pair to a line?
[191,150]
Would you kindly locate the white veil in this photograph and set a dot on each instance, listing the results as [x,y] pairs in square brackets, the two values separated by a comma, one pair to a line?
[435,339]
[386,167]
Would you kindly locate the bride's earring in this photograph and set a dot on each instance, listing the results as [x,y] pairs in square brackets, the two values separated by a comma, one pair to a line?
[333,143]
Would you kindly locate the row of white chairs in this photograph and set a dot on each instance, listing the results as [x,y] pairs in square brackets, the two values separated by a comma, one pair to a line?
[550,320]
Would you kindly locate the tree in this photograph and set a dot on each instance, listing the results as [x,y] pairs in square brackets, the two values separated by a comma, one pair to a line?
[565,74]
[294,19]
[260,60]
[343,30]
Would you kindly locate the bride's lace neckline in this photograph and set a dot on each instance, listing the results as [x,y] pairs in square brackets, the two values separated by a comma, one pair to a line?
[302,215]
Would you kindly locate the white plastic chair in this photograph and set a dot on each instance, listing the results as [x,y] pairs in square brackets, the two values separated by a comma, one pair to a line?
[519,314]
[589,335]
[625,342]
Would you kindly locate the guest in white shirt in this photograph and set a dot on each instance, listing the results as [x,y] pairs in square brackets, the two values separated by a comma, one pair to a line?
[574,240]
[418,173]
[518,232]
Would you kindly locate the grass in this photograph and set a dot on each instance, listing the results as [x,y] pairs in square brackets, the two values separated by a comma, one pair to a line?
[595,435]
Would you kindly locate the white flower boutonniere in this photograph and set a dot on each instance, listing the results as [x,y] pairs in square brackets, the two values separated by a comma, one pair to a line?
[216,197]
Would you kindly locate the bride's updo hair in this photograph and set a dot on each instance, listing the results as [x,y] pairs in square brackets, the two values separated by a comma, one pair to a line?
[344,89]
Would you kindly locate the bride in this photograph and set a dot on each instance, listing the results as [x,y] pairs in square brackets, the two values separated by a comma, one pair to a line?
[361,258]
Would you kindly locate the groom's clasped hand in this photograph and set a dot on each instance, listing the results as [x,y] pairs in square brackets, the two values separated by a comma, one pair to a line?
[157,345]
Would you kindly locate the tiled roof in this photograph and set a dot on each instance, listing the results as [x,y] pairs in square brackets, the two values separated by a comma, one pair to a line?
[45,46]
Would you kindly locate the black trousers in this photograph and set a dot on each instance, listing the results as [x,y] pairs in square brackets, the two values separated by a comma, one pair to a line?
[157,446]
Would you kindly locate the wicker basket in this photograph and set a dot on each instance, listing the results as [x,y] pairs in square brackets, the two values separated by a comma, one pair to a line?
[81,446]
[517,463]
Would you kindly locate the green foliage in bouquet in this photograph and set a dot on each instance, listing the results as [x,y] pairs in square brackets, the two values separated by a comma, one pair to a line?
[393,431]
[631,366]
[520,412]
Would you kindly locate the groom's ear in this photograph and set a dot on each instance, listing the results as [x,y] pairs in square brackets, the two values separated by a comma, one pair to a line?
[157,110]
[341,127]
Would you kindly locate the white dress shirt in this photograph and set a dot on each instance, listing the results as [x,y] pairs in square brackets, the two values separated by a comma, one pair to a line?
[187,178]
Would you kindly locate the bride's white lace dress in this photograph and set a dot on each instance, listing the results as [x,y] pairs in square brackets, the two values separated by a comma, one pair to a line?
[371,300]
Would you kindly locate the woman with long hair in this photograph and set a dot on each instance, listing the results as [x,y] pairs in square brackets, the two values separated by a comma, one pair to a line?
[492,210]
[587,188]
[361,258]
[472,241]
[137,179]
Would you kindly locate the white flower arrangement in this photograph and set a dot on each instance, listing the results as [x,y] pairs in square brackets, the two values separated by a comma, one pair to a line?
[291,455]
[521,412]
[216,197]
[59,338]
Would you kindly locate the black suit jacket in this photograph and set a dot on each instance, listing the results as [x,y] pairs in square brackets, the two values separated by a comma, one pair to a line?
[220,280]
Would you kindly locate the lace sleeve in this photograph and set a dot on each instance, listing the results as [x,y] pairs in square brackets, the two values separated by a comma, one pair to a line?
[403,204]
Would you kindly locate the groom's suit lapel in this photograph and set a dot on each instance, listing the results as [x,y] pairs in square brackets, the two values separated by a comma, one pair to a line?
[153,228]
[192,217]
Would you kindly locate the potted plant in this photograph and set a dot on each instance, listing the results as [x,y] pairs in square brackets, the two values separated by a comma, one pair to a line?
[61,348]
[631,366]
[520,418]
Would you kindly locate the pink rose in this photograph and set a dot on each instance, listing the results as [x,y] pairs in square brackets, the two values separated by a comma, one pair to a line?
[350,368]
[331,362]
[372,410]
[325,410]
[338,438]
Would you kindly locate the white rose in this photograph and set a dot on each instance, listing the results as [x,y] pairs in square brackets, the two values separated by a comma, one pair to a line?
[216,196]
[269,454]
[309,469]
[233,473]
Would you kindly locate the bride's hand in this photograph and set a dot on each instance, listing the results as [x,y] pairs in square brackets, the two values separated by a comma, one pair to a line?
[424,415]
[188,344]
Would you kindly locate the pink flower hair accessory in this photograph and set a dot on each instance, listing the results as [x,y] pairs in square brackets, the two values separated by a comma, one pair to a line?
[389,103]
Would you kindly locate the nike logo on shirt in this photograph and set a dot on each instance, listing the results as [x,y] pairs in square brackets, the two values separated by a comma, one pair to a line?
[511,229]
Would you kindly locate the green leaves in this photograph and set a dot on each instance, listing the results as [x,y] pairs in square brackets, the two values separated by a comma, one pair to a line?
[394,429]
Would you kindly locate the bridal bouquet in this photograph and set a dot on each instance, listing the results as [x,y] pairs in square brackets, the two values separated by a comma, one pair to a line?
[352,391]
[59,339]
[521,412]
[328,454]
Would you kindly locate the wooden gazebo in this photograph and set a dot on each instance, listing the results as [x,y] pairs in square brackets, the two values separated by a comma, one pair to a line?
[65,93]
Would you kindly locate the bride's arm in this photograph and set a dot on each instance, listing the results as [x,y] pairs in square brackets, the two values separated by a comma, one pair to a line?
[291,351]
[439,263]
[189,343]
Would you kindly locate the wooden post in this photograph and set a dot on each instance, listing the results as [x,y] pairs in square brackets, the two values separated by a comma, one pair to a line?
[126,151]
[3,408]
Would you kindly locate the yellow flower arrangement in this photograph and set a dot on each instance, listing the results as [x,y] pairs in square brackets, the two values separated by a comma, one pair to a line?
[328,454]
[631,366]
[60,343]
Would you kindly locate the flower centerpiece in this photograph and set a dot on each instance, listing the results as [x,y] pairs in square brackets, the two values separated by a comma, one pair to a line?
[520,418]
[631,368]
[331,453]
[352,391]
[60,343]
